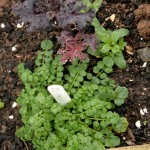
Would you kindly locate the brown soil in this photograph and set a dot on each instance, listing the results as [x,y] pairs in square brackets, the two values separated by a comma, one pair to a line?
[3,3]
[142,17]
[135,77]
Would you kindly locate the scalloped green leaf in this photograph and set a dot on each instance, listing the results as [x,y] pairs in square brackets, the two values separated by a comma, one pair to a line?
[46,44]
[108,61]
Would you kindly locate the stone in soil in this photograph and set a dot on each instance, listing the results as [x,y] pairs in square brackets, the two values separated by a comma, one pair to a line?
[144,53]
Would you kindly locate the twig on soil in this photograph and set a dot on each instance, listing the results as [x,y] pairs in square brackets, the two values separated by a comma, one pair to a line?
[26,145]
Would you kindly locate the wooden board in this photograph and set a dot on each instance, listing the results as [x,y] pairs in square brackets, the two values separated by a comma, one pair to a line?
[137,147]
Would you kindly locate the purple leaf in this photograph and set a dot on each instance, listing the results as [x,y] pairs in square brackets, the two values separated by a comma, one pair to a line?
[26,14]
[39,12]
[91,41]
[70,14]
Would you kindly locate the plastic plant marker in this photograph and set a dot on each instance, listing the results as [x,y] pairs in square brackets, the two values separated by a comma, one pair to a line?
[59,94]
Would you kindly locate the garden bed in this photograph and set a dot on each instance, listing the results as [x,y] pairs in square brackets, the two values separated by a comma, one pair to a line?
[17,45]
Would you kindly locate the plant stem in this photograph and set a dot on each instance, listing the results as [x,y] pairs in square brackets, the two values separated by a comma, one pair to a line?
[75,77]
[100,72]
[97,119]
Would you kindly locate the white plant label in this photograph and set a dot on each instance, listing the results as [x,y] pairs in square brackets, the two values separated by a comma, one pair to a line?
[59,94]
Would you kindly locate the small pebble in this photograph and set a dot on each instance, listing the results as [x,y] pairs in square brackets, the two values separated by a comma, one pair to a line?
[11,117]
[130,143]
[123,6]
[14,104]
[124,138]
[130,60]
[144,54]
[138,124]
[131,80]
[55,22]
[141,39]
[14,48]
[145,110]
[20,25]
[2,25]
[112,17]
[142,112]
[3,129]
[144,65]
[129,50]
[106,19]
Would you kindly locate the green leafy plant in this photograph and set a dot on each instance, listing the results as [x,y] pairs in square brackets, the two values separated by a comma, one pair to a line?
[87,122]
[92,5]
[2,104]
[111,43]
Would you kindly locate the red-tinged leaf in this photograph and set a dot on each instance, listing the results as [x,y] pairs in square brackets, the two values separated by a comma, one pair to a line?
[73,47]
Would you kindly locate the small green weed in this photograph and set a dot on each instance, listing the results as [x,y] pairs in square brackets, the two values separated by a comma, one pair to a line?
[92,5]
[111,44]
[1,104]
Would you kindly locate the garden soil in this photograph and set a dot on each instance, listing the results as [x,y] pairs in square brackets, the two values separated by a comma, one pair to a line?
[17,45]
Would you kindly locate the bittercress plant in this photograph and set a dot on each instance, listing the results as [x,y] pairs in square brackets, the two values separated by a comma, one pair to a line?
[111,44]
[89,121]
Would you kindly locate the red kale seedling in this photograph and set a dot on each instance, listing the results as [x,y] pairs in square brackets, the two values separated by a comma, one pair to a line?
[73,47]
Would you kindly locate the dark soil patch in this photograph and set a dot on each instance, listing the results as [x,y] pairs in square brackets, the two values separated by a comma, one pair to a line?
[136,78]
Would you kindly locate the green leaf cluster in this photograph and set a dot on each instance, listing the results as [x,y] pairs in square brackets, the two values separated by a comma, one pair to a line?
[1,104]
[111,43]
[94,5]
[87,122]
